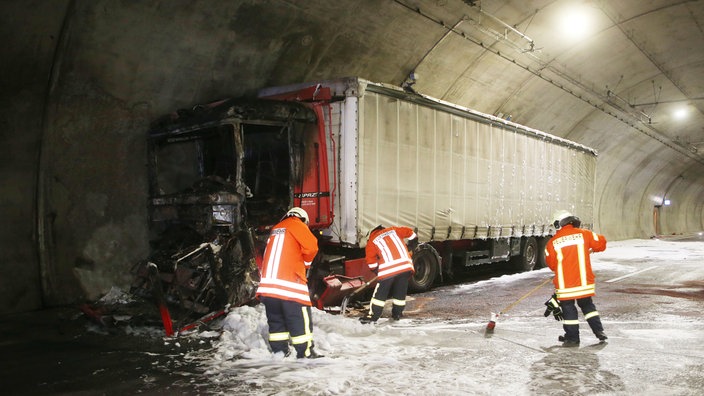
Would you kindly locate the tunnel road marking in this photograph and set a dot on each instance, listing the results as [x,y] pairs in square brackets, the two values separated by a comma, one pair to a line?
[629,275]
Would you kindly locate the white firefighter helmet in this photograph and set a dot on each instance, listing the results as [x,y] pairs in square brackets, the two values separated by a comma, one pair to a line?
[379,227]
[298,212]
[562,217]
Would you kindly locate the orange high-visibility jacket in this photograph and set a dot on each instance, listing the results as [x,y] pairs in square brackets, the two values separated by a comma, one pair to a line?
[290,250]
[387,252]
[567,255]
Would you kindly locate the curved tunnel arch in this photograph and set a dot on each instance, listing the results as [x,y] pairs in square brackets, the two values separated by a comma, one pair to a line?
[121,65]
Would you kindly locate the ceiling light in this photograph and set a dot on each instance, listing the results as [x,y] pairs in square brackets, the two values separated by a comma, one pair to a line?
[576,21]
[680,113]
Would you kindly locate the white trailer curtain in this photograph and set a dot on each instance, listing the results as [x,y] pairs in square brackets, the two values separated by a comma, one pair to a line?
[455,177]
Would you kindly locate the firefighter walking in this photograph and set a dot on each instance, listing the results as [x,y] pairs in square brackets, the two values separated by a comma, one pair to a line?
[388,256]
[567,255]
[283,288]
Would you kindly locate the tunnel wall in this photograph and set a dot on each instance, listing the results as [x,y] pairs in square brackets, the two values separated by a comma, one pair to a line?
[27,58]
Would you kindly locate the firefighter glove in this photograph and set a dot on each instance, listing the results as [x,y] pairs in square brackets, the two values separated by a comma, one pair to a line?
[553,306]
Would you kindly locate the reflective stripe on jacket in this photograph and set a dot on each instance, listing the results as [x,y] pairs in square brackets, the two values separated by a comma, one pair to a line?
[290,249]
[567,255]
[387,253]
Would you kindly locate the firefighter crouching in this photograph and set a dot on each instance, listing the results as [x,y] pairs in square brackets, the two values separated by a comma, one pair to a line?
[283,289]
[567,255]
[388,256]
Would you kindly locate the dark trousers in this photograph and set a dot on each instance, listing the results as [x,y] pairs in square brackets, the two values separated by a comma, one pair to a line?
[571,324]
[289,321]
[396,287]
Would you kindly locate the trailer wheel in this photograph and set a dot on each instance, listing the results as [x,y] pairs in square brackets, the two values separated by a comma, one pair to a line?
[426,262]
[529,256]
[540,257]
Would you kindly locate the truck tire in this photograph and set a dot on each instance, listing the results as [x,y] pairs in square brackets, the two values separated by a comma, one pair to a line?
[540,258]
[426,262]
[528,258]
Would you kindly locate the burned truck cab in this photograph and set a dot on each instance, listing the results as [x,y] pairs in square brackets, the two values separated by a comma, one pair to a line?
[220,176]
[223,164]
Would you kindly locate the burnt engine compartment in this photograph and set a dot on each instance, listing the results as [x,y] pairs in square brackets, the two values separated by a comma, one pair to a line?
[202,260]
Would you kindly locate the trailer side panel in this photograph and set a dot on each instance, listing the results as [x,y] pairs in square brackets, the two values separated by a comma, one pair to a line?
[454,177]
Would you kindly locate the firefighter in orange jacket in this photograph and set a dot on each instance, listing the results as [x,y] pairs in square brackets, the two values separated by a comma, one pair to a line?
[567,255]
[388,256]
[283,288]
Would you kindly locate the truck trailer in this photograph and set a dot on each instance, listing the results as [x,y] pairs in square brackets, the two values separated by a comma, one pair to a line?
[477,189]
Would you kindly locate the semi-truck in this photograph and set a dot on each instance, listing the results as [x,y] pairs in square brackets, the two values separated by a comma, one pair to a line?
[477,189]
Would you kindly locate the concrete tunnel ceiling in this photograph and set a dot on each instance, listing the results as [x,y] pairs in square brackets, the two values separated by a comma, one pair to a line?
[83,79]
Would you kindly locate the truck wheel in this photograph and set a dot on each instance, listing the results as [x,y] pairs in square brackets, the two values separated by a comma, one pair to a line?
[529,256]
[426,262]
[540,257]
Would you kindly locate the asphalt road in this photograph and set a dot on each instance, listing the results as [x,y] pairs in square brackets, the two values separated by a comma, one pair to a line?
[650,302]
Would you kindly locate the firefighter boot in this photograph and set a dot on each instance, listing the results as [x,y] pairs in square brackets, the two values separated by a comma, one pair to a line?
[567,343]
[314,355]
[570,344]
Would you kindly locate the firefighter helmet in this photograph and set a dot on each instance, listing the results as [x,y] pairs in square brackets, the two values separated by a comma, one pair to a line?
[562,217]
[379,227]
[298,212]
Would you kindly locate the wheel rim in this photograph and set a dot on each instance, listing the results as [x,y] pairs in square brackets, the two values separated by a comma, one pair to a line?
[423,270]
[530,255]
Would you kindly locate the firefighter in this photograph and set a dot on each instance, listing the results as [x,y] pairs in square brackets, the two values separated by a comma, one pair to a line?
[567,255]
[388,257]
[283,288]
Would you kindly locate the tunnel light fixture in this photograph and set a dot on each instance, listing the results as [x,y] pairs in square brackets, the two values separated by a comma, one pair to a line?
[680,113]
[576,22]
[666,202]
